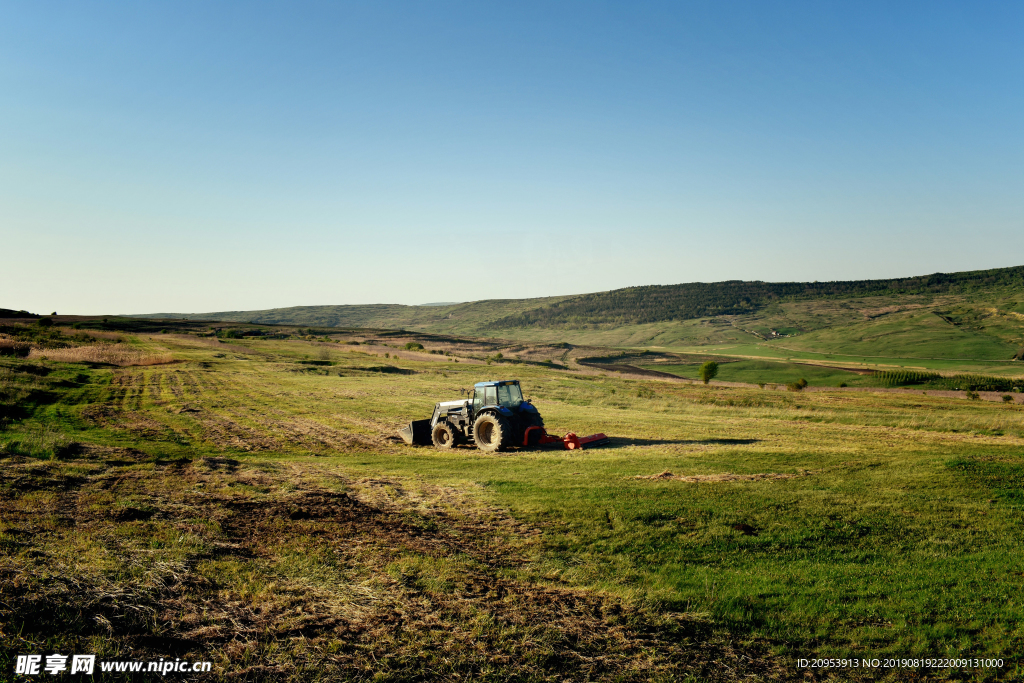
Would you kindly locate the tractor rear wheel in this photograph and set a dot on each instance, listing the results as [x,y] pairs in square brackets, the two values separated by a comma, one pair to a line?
[532,420]
[491,433]
[443,435]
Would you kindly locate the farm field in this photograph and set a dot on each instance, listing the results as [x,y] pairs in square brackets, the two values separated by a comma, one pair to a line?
[248,503]
[778,352]
[776,373]
[769,372]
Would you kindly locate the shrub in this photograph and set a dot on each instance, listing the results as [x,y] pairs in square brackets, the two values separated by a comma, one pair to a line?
[1007,398]
[45,322]
[708,371]
[414,346]
[973,395]
[797,385]
[14,348]
[843,385]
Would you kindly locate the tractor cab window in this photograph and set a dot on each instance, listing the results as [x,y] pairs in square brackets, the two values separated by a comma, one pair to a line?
[490,398]
[478,400]
[510,395]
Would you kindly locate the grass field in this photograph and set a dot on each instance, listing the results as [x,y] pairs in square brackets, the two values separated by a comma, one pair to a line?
[770,372]
[781,353]
[243,506]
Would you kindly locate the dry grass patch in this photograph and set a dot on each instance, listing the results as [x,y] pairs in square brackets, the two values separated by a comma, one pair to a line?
[110,354]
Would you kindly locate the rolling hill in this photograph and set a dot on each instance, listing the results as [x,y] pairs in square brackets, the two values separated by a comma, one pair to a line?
[975,315]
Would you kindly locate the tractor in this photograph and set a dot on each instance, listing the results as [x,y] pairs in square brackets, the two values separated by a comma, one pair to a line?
[495,419]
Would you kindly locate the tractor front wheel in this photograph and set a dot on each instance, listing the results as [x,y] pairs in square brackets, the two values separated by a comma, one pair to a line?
[491,433]
[443,435]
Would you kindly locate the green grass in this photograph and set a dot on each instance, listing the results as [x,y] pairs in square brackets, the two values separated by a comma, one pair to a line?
[770,372]
[239,485]
[778,352]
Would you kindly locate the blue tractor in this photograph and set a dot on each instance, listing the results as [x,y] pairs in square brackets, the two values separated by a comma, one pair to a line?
[495,419]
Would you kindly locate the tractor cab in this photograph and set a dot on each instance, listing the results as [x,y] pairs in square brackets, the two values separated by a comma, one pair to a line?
[506,394]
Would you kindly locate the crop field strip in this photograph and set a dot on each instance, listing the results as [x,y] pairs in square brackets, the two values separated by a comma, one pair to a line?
[237,493]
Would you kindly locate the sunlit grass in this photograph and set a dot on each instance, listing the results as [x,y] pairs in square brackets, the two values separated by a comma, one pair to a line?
[900,536]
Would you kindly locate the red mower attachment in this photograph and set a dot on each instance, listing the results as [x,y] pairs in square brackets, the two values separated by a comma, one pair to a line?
[538,436]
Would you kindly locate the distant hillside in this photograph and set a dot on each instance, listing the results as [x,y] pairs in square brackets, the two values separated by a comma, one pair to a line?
[474,315]
[657,303]
[976,315]
[8,313]
[629,306]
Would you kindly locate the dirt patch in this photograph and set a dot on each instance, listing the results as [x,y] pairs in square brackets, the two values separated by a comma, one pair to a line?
[226,464]
[871,313]
[40,478]
[457,352]
[856,371]
[630,370]
[724,477]
[111,454]
[99,414]
[224,432]
[130,514]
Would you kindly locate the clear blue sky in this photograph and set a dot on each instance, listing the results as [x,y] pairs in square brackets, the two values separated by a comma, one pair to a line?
[204,156]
